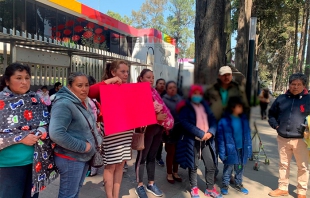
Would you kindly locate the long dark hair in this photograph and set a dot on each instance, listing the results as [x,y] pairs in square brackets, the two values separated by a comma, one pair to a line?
[10,70]
[266,93]
[143,72]
[113,67]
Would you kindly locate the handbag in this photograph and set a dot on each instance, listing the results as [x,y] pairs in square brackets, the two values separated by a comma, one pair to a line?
[138,140]
[97,160]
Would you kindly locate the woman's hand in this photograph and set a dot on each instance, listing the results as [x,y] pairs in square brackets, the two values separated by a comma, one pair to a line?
[115,80]
[30,139]
[207,136]
[161,116]
[88,147]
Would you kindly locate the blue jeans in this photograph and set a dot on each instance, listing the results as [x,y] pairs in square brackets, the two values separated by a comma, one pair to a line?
[16,182]
[228,169]
[72,175]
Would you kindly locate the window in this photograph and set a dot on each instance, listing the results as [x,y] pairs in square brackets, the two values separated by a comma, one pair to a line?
[115,42]
[46,20]
[31,24]
[6,15]
[123,45]
[20,16]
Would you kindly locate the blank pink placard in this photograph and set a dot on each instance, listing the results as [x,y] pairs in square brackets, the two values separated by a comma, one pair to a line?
[127,106]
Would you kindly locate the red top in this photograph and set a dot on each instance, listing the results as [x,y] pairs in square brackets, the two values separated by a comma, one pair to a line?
[94,90]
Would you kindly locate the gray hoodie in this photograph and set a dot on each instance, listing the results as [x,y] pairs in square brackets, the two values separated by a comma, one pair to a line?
[171,103]
[69,128]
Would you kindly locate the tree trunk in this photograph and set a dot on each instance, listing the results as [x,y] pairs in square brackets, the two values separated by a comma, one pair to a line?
[274,77]
[209,39]
[307,68]
[295,68]
[228,32]
[241,60]
[303,38]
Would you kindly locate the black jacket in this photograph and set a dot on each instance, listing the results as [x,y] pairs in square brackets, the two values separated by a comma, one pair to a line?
[289,111]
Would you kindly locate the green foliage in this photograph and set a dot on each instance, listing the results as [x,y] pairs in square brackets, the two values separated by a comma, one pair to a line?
[117,16]
[180,22]
[150,15]
[190,51]
[173,17]
[276,40]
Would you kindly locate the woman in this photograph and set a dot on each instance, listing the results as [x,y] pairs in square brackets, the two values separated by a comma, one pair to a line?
[160,88]
[26,163]
[115,152]
[96,109]
[198,141]
[152,140]
[264,100]
[171,100]
[71,126]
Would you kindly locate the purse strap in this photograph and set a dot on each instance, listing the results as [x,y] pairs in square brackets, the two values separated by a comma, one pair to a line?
[143,129]
[91,128]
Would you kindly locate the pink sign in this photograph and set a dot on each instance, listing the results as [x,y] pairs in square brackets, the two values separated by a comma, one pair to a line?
[127,106]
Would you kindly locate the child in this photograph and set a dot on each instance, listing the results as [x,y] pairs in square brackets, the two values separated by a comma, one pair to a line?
[234,143]
[198,141]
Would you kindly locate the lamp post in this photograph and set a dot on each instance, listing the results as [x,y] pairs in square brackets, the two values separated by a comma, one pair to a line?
[256,83]
[249,76]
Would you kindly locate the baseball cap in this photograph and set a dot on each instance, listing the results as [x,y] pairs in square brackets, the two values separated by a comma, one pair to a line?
[225,70]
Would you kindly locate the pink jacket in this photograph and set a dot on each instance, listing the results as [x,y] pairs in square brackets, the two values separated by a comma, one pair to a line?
[160,107]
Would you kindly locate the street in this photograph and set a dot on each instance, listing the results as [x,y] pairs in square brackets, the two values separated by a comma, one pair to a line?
[259,183]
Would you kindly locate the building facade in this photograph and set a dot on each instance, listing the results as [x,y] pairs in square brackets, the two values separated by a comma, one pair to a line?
[56,37]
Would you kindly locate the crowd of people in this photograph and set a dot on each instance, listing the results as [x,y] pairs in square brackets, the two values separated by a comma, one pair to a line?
[206,125]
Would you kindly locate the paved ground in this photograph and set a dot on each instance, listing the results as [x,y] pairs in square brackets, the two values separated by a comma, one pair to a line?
[259,183]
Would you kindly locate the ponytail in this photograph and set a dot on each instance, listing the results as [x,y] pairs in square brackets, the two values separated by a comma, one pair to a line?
[107,72]
[143,72]
[112,67]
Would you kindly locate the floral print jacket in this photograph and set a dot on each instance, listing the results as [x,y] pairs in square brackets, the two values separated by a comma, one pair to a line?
[160,107]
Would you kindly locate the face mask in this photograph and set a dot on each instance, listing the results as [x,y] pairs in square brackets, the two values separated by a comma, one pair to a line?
[196,99]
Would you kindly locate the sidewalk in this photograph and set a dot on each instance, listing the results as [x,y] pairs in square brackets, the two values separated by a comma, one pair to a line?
[259,183]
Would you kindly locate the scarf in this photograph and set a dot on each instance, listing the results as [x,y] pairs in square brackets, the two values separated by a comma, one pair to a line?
[21,115]
[160,107]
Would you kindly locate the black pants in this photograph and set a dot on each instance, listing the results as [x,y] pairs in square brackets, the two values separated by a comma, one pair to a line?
[152,140]
[263,108]
[159,151]
[203,150]
[16,182]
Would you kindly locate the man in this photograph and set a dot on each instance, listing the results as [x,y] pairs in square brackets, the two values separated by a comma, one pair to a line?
[219,93]
[56,88]
[286,115]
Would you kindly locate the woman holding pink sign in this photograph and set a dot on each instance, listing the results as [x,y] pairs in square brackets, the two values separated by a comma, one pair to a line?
[152,140]
[116,147]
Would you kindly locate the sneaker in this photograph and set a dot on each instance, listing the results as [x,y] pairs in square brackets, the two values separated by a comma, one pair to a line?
[195,192]
[154,190]
[213,193]
[242,189]
[93,172]
[160,162]
[140,191]
[224,190]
